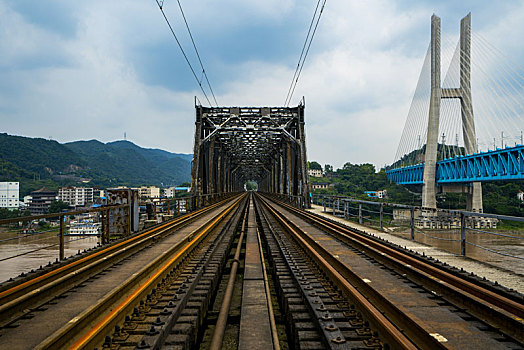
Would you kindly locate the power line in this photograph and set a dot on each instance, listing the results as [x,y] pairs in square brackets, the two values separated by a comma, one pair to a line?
[302,52]
[295,81]
[160,4]
[198,55]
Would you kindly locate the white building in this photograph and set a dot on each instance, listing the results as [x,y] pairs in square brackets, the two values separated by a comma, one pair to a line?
[149,192]
[520,196]
[321,186]
[27,200]
[9,195]
[76,196]
[314,172]
[382,194]
[169,192]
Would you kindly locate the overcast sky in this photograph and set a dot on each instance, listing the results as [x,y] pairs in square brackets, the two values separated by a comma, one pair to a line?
[79,70]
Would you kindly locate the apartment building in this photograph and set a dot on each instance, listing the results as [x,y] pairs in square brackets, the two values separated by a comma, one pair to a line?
[149,192]
[169,192]
[76,196]
[9,195]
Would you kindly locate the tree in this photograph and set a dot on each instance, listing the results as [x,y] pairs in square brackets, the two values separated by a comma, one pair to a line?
[328,168]
[251,186]
[57,206]
[314,165]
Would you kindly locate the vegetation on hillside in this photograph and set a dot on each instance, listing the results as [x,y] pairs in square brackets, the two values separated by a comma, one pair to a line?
[354,179]
[36,162]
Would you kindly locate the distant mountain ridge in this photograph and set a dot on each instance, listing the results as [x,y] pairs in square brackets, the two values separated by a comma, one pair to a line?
[39,161]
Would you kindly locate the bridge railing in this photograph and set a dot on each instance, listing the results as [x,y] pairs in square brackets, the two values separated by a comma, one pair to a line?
[162,209]
[102,224]
[296,201]
[454,229]
[36,233]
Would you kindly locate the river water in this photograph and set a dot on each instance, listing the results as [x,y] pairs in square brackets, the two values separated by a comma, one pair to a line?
[506,253]
[21,253]
[13,244]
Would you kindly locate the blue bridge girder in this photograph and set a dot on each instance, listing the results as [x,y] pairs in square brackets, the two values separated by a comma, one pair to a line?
[498,165]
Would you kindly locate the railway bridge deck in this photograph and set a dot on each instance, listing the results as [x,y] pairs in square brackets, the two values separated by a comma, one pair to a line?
[252,271]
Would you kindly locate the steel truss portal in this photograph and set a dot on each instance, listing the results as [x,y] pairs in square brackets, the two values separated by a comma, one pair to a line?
[262,144]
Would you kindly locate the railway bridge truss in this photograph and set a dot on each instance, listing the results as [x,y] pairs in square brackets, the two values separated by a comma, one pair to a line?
[234,145]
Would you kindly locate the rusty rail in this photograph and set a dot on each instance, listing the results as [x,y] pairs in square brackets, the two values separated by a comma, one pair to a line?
[504,313]
[381,322]
[36,291]
[99,321]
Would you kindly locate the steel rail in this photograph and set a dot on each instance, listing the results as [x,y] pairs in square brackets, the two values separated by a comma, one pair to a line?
[376,317]
[221,324]
[272,322]
[36,291]
[99,321]
[505,313]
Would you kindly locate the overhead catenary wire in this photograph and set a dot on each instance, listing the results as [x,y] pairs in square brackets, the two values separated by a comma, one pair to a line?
[303,55]
[302,52]
[199,82]
[197,54]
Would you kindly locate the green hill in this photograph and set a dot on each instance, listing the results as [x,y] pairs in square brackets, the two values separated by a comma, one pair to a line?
[354,179]
[37,155]
[35,162]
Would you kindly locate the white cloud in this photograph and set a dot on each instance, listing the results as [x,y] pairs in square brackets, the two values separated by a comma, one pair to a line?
[358,80]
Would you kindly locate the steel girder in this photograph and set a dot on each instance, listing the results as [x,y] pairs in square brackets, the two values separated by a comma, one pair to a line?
[499,165]
[237,144]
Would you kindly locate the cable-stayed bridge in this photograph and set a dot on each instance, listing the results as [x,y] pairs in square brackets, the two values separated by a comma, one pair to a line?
[467,129]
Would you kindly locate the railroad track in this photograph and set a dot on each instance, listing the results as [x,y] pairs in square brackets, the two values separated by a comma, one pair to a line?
[26,293]
[254,273]
[430,306]
[36,307]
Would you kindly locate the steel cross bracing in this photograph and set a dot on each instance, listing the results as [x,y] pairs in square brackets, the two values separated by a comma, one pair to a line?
[237,144]
[499,165]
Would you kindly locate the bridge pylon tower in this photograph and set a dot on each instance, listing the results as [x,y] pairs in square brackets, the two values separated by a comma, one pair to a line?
[473,190]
